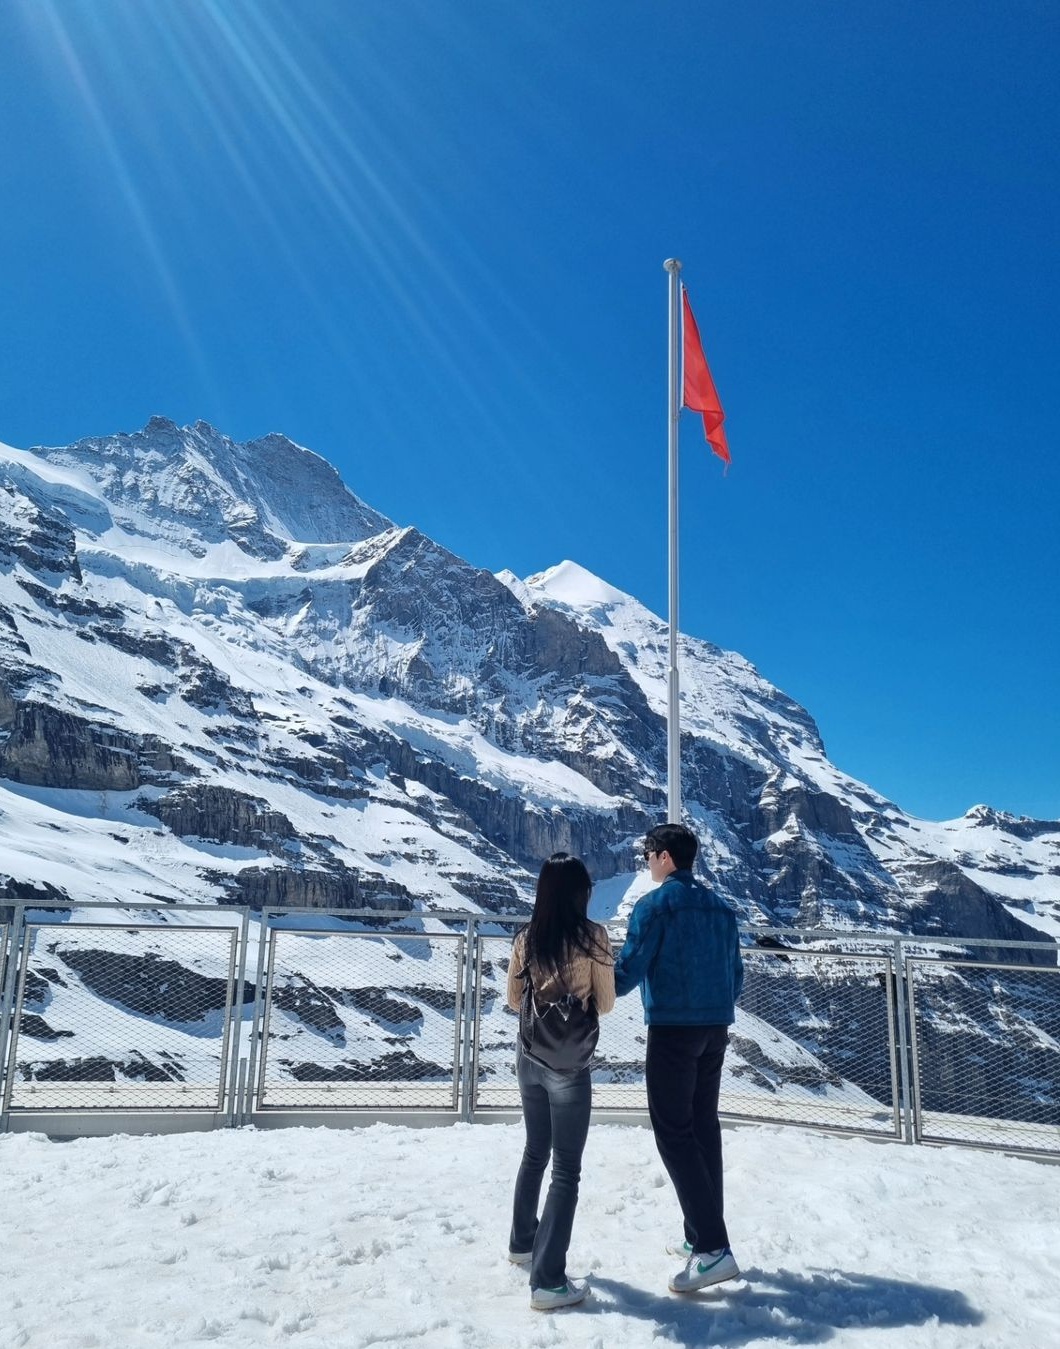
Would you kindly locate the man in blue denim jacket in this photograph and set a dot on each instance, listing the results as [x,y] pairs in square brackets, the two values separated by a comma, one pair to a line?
[683,949]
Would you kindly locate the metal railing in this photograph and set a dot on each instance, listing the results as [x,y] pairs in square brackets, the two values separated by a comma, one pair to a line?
[7,971]
[121,1009]
[998,1089]
[190,1016]
[781,1064]
[333,1031]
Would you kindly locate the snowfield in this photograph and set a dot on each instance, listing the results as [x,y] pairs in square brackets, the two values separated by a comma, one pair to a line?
[344,1239]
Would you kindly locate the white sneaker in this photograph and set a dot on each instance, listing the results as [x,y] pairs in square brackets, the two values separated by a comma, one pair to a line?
[520,1257]
[681,1248]
[704,1268]
[566,1295]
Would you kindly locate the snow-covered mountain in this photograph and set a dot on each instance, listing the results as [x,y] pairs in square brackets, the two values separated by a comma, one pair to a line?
[269,692]
[224,678]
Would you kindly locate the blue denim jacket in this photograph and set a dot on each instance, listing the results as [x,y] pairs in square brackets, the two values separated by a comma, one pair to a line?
[683,949]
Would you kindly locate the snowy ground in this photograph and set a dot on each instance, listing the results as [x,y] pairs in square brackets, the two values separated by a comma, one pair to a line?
[396,1236]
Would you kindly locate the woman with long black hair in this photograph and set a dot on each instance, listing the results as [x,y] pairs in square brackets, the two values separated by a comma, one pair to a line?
[566,962]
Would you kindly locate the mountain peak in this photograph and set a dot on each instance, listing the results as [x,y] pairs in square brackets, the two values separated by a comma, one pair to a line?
[1020,826]
[570,583]
[194,486]
[159,424]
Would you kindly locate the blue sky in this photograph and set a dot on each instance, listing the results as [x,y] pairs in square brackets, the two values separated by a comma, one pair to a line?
[425,238]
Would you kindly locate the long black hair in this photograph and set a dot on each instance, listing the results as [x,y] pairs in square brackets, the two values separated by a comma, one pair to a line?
[560,925]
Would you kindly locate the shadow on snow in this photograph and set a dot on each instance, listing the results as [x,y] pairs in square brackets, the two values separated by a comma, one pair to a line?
[785,1308]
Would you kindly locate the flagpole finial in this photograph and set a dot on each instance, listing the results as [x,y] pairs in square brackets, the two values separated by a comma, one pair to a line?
[672,265]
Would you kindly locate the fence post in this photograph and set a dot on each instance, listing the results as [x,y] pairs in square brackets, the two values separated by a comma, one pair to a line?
[259,1007]
[241,1092]
[261,1042]
[233,1115]
[914,1058]
[903,1038]
[7,992]
[467,1110]
[458,1021]
[13,1019]
[477,1024]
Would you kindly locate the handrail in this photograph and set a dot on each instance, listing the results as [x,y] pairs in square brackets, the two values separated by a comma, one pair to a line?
[915,969]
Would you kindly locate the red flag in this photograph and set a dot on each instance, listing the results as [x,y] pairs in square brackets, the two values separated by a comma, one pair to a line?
[700,394]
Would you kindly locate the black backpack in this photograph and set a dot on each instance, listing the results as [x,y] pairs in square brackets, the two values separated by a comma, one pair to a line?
[560,1035]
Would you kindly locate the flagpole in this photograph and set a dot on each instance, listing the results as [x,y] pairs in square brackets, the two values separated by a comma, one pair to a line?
[673,696]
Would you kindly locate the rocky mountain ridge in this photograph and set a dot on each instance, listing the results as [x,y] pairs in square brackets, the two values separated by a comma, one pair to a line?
[224,640]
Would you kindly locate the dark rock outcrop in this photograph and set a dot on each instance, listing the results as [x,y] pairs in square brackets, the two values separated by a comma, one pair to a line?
[41,540]
[150,985]
[397,1066]
[49,748]
[301,998]
[98,1068]
[300,886]
[208,811]
[951,904]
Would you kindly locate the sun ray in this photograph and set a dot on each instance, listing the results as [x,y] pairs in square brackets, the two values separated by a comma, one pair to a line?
[294,147]
[131,196]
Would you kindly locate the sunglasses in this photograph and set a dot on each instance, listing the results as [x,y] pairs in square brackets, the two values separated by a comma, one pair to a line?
[650,852]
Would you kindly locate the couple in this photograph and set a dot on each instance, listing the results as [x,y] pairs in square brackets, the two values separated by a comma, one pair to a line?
[682,949]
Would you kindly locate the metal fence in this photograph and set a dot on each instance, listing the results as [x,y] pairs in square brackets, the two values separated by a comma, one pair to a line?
[1001,1088]
[336,1028]
[188,1016]
[121,1010]
[814,1041]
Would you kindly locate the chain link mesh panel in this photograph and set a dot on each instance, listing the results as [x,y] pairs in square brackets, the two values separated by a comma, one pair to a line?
[618,1065]
[986,1052]
[497,1027]
[812,1042]
[122,1017]
[360,1020]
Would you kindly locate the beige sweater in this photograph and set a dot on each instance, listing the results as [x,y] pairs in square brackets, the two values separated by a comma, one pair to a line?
[584,976]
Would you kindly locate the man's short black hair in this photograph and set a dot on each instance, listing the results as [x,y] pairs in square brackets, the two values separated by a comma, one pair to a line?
[679,842]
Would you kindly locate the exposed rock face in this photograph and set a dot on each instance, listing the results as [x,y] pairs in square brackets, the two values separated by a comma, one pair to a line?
[952,904]
[210,811]
[42,540]
[527,833]
[198,488]
[300,887]
[400,1066]
[303,999]
[204,686]
[150,985]
[801,805]
[361,606]
[49,748]
[38,1029]
[99,1068]
[389,1011]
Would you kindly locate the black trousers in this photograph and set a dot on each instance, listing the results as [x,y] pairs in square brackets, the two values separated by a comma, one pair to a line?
[683,1075]
[556,1108]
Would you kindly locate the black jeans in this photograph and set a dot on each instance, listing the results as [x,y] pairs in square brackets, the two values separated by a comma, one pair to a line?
[683,1074]
[556,1109]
